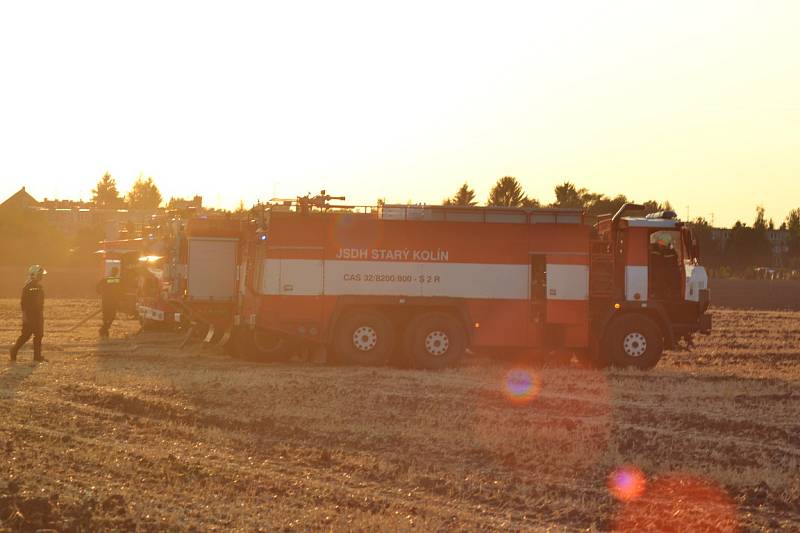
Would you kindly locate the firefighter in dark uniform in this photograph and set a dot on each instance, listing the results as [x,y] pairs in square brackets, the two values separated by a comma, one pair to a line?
[32,303]
[110,290]
[666,268]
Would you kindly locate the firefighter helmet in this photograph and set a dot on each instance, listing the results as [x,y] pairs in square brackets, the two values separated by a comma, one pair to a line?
[36,271]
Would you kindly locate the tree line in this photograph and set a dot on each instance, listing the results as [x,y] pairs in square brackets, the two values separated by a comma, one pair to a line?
[508,192]
[144,194]
[27,237]
[747,247]
[739,252]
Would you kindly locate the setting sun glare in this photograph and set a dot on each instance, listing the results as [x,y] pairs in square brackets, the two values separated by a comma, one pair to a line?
[694,103]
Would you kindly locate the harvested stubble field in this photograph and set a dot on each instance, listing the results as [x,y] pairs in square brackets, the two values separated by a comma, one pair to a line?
[133,433]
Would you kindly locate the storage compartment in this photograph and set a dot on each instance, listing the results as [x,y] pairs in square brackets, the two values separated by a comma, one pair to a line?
[212,268]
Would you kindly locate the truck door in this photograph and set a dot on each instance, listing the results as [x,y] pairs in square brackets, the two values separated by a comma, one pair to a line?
[294,287]
[538,313]
[538,300]
[302,277]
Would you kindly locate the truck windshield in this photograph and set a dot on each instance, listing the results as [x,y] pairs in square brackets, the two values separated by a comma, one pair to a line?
[667,244]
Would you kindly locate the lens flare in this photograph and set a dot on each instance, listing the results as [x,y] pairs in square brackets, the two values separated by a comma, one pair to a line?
[521,386]
[679,502]
[627,483]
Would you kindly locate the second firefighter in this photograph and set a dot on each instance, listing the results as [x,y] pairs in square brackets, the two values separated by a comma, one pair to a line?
[110,290]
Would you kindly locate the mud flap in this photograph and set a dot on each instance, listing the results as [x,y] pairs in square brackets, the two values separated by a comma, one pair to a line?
[187,337]
[212,330]
[226,336]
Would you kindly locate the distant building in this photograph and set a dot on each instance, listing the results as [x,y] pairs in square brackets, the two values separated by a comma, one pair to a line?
[779,238]
[70,216]
[117,223]
[181,204]
[65,204]
[720,235]
[20,200]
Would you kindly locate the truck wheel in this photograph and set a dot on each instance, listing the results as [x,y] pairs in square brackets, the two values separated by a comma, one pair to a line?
[435,340]
[634,340]
[262,345]
[364,338]
[269,345]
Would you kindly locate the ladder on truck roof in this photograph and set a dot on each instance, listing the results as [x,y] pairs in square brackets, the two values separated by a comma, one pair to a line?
[421,212]
[508,215]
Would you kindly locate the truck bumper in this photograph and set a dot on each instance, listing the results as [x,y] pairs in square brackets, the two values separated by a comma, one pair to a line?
[150,313]
[157,315]
[702,325]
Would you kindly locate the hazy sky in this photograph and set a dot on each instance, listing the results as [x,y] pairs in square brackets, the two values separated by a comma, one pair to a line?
[694,102]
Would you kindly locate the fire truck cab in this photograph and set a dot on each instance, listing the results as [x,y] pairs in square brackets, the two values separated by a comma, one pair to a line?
[649,290]
[426,283]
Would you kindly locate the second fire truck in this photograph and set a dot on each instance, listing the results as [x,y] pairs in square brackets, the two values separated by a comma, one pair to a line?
[427,283]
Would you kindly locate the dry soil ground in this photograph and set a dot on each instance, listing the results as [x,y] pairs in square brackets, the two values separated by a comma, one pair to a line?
[134,433]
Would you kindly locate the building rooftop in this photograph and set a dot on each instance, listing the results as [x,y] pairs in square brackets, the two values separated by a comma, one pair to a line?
[20,200]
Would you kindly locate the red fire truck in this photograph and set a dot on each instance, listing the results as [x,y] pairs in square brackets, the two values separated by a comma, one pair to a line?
[191,275]
[429,282]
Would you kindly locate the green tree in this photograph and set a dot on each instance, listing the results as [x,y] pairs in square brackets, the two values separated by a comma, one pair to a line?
[793,227]
[593,204]
[710,248]
[464,197]
[507,192]
[105,194]
[569,196]
[144,194]
[600,204]
[651,206]
[749,247]
[738,253]
[530,202]
[762,246]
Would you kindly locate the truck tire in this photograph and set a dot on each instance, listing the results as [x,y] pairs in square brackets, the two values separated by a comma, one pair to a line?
[262,345]
[364,337]
[634,340]
[435,340]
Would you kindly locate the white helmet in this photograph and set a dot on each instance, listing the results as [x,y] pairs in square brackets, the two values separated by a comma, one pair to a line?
[36,271]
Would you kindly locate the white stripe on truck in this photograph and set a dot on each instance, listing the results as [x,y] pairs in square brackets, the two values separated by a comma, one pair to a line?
[314,277]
